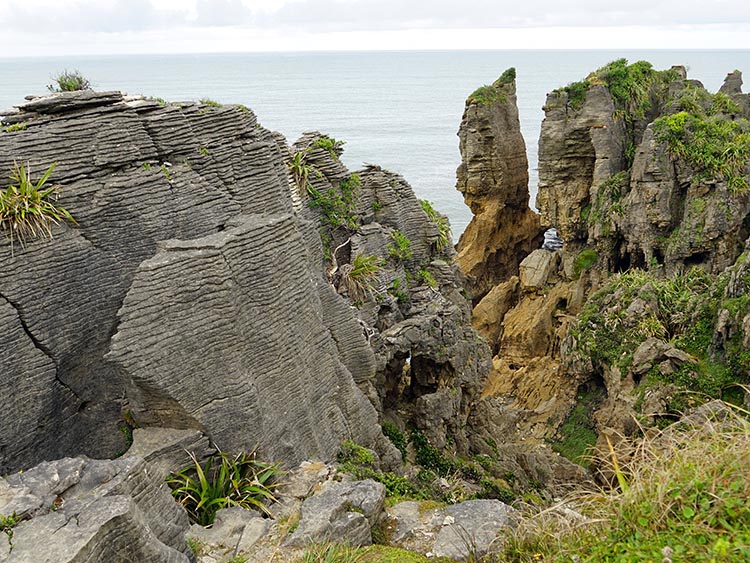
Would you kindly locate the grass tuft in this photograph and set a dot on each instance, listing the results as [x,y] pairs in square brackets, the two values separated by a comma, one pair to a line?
[69,81]
[27,208]
[223,481]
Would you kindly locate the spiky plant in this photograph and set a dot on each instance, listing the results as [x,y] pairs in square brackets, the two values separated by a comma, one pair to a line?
[222,481]
[27,208]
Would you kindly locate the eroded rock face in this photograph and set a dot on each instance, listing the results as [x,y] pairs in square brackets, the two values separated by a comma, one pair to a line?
[93,510]
[578,149]
[197,291]
[493,178]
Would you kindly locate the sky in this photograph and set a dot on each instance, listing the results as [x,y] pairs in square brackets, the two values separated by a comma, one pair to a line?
[96,27]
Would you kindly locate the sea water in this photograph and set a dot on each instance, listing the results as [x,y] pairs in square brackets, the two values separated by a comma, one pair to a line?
[400,110]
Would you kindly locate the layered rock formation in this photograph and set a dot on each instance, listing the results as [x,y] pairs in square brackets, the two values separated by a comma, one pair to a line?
[192,292]
[493,178]
[639,170]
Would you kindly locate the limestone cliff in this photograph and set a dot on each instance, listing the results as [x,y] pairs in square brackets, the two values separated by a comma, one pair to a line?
[645,174]
[197,291]
[493,178]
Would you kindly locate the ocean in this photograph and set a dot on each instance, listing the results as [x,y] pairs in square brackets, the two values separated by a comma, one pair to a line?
[400,110]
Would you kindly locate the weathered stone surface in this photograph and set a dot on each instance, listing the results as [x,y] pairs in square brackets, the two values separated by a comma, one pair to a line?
[342,512]
[459,531]
[578,149]
[493,178]
[206,342]
[93,510]
[488,315]
[654,351]
[535,270]
[235,531]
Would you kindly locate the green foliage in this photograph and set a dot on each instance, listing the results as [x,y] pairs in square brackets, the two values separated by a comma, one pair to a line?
[330,553]
[576,92]
[715,146]
[146,166]
[27,209]
[7,523]
[342,553]
[358,277]
[508,76]
[488,95]
[584,261]
[396,436]
[687,498]
[338,206]
[15,127]
[441,222]
[401,248]
[429,456]
[329,144]
[685,311]
[167,172]
[204,151]
[351,452]
[210,103]
[427,278]
[224,481]
[69,81]
[577,435]
[398,291]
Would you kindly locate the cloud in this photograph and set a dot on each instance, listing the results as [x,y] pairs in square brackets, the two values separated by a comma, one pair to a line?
[347,15]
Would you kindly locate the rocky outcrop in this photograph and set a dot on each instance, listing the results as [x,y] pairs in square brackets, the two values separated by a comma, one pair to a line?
[493,178]
[578,149]
[637,175]
[205,287]
[100,510]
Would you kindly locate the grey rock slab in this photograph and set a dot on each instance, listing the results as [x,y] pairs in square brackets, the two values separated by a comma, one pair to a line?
[471,528]
[81,510]
[342,512]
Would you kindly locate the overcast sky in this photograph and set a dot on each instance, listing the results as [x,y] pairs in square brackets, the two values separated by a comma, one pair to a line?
[65,27]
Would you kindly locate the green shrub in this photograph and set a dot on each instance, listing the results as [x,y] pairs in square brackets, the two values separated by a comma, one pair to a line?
[329,144]
[427,278]
[401,248]
[69,81]
[441,222]
[338,205]
[7,523]
[487,95]
[210,103]
[584,261]
[396,436]
[224,481]
[429,456]
[15,127]
[716,147]
[576,92]
[351,452]
[26,207]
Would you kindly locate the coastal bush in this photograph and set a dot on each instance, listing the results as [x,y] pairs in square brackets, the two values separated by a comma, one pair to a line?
[27,209]
[584,261]
[338,204]
[684,496]
[490,94]
[401,248]
[441,222]
[15,127]
[329,144]
[396,436]
[715,146]
[69,81]
[210,103]
[222,481]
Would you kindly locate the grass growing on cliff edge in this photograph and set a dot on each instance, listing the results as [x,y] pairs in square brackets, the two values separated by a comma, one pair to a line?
[27,208]
[715,146]
[487,95]
[69,81]
[686,498]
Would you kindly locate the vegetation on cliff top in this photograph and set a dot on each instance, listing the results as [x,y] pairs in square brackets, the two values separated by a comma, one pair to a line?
[715,146]
[69,81]
[489,94]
